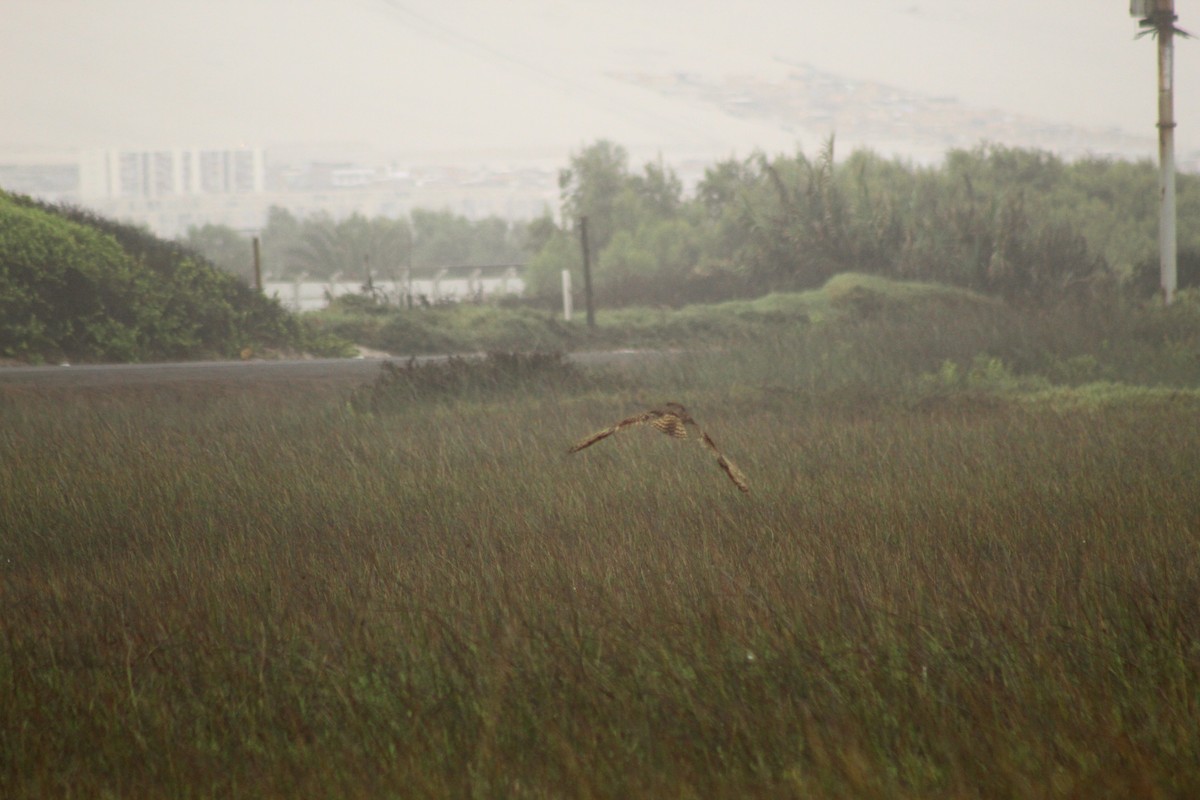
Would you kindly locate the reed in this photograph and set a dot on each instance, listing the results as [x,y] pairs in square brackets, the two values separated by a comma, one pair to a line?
[267,595]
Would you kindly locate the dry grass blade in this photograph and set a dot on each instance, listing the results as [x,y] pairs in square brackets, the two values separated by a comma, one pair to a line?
[672,419]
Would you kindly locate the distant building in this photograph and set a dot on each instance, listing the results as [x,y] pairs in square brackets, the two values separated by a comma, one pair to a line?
[152,174]
[171,190]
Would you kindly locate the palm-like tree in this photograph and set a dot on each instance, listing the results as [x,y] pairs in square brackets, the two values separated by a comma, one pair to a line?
[355,246]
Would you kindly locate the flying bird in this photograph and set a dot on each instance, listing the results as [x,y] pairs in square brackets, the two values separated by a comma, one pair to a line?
[673,420]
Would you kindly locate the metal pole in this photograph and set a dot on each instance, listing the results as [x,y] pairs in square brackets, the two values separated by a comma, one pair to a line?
[1165,18]
[587,273]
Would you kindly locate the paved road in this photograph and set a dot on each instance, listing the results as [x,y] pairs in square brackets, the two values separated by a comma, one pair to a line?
[112,375]
[332,370]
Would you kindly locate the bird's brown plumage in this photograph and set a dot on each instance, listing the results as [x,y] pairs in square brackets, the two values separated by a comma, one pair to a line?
[673,420]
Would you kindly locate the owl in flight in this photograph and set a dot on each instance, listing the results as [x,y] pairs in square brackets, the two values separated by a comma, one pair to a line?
[673,420]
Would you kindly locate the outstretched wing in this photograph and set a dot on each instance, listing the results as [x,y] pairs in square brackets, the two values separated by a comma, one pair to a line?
[735,474]
[629,422]
[673,420]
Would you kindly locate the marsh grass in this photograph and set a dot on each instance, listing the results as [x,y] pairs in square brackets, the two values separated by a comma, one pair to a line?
[268,594]
[469,377]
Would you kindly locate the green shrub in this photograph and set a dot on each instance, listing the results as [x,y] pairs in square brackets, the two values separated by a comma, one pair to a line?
[74,285]
[66,291]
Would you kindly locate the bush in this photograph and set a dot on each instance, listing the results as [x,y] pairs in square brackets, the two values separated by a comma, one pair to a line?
[456,377]
[74,285]
[66,291]
[1146,280]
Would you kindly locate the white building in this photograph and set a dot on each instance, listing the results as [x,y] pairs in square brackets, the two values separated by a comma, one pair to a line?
[178,172]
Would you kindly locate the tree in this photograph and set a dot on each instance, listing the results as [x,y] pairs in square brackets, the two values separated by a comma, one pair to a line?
[443,238]
[538,233]
[800,218]
[591,186]
[659,190]
[355,248]
[654,263]
[543,273]
[225,248]
[280,237]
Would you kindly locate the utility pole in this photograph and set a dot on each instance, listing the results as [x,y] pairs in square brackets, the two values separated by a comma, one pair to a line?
[408,298]
[587,273]
[1157,17]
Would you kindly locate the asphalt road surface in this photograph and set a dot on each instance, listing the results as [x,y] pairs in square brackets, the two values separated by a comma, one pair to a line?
[226,372]
[323,370]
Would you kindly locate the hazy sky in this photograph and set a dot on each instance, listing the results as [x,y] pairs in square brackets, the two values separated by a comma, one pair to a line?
[525,77]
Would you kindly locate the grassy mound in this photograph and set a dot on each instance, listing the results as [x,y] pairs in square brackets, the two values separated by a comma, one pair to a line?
[470,328]
[77,287]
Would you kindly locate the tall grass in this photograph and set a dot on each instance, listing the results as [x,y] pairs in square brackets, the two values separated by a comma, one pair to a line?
[267,595]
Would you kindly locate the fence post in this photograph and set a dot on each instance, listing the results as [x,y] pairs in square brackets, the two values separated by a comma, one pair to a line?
[475,285]
[437,283]
[566,289]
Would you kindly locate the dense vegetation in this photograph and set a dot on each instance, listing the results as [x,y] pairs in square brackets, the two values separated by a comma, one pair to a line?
[77,287]
[1021,224]
[966,567]
[360,249]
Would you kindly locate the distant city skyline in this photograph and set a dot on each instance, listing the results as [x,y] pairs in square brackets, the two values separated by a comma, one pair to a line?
[324,107]
[171,190]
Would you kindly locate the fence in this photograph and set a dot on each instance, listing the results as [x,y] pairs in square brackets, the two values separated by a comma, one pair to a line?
[449,284]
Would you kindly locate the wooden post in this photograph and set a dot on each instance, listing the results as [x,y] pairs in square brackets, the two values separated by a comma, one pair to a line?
[587,273]
[257,267]
[408,297]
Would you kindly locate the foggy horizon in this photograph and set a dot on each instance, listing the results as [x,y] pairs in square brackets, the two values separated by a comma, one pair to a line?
[537,79]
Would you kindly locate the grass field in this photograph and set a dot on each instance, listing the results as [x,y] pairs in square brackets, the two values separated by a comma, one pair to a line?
[970,584]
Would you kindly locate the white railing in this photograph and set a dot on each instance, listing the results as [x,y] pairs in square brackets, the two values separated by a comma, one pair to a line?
[315,295]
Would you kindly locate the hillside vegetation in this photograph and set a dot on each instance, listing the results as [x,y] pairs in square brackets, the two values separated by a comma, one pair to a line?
[77,287]
[1019,223]
[871,332]
[1018,226]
